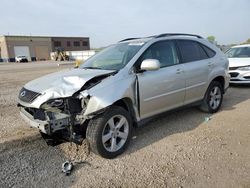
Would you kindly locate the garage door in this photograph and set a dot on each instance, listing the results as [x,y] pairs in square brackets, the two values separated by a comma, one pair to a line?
[42,52]
[22,50]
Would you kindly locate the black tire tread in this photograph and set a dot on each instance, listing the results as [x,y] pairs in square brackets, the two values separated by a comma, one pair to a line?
[204,106]
[95,128]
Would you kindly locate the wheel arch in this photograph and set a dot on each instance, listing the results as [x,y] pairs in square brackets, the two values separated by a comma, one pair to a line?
[221,80]
[127,104]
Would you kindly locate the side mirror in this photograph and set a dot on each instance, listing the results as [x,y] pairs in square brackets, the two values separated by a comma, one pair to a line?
[150,65]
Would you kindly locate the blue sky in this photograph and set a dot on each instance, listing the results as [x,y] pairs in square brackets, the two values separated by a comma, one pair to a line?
[108,21]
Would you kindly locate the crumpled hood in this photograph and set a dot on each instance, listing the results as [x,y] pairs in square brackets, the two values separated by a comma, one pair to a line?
[239,62]
[63,83]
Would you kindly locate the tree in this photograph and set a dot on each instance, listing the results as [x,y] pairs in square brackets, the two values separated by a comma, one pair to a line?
[246,42]
[211,38]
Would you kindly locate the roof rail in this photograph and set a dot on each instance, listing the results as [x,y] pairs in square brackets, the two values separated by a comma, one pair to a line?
[128,39]
[177,34]
[165,35]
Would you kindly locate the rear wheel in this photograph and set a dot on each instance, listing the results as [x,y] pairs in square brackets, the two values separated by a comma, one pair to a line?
[213,98]
[109,133]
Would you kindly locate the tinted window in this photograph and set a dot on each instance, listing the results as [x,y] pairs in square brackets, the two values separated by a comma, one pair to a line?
[191,51]
[209,51]
[163,51]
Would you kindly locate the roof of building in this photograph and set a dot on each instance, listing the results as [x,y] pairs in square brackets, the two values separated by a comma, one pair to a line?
[37,36]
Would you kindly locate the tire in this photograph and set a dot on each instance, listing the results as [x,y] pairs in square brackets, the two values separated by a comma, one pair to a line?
[109,139]
[213,98]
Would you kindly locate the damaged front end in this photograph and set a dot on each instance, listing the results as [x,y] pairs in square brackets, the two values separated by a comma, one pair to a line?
[59,119]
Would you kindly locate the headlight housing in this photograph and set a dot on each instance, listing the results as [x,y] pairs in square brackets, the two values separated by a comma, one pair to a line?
[53,104]
[247,68]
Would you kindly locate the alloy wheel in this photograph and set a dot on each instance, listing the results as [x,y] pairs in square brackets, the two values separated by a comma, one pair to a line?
[215,97]
[115,133]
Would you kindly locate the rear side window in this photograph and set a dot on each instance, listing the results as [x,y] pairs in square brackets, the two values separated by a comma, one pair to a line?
[191,51]
[209,51]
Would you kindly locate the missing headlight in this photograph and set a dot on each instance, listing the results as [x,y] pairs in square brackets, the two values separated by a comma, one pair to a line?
[74,105]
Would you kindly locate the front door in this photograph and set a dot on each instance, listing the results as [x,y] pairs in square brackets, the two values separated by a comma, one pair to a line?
[163,89]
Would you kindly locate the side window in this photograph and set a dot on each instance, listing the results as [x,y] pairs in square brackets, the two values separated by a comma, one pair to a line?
[191,51]
[164,51]
[209,51]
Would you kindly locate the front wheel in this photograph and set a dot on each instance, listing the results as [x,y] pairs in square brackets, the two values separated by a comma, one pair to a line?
[109,133]
[213,98]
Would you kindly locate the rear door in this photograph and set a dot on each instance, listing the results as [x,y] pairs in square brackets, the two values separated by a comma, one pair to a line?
[162,89]
[196,68]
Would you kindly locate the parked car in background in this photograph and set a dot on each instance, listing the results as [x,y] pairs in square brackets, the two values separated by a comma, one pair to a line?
[21,58]
[239,64]
[122,85]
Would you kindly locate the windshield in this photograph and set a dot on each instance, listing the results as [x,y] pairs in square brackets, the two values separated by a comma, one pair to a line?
[114,57]
[239,52]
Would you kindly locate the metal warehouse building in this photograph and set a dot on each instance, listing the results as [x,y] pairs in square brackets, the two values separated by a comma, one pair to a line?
[38,47]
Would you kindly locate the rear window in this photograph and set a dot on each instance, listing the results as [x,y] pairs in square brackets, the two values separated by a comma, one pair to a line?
[191,51]
[209,51]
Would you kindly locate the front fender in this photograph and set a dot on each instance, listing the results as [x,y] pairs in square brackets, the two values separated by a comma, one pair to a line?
[104,96]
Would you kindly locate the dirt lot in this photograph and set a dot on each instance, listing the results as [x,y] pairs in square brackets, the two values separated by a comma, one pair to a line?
[177,149]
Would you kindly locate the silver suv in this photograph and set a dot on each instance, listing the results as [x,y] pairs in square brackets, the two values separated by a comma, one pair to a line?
[122,85]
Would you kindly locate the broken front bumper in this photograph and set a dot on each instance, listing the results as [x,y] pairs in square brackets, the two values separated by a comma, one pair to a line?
[49,125]
[43,126]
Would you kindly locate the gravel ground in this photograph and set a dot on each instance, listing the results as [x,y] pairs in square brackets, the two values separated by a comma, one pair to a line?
[177,149]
